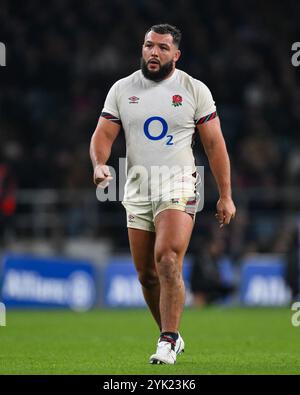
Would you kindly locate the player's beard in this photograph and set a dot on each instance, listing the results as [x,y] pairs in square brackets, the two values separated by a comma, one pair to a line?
[159,75]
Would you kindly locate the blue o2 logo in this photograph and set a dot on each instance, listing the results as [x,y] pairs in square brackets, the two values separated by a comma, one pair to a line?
[164,128]
[163,133]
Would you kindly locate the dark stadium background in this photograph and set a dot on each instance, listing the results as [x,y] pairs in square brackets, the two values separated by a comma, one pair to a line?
[62,56]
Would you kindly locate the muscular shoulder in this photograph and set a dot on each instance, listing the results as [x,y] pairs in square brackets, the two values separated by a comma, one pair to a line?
[195,87]
[124,83]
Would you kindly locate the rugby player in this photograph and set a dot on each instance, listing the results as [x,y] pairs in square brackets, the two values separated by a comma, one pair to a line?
[159,107]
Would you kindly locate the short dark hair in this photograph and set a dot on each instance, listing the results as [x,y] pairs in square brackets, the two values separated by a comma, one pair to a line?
[165,28]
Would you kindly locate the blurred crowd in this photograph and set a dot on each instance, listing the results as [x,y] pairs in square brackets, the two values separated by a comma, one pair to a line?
[63,55]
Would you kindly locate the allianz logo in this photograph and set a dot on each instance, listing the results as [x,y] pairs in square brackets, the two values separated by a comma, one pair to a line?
[267,291]
[76,291]
[126,291]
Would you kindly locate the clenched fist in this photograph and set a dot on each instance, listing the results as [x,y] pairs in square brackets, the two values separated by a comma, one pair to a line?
[225,211]
[102,175]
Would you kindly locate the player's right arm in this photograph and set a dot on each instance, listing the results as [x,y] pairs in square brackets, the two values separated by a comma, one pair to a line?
[100,147]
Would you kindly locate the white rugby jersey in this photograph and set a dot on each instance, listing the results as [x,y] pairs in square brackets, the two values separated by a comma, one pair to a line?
[159,120]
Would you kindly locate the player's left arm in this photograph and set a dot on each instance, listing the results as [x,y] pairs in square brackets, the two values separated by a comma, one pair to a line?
[215,148]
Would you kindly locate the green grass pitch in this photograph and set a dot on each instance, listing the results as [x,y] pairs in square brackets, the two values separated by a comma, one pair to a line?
[218,341]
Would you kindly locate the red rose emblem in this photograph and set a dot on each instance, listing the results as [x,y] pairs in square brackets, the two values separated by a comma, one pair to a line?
[176,100]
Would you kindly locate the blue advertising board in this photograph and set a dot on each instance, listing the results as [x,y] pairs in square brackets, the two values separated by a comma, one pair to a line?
[30,281]
[262,281]
[122,287]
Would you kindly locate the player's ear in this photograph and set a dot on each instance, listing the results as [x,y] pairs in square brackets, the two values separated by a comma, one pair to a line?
[143,44]
[177,55]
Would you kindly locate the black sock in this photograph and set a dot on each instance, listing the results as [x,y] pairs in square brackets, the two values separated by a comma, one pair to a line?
[171,335]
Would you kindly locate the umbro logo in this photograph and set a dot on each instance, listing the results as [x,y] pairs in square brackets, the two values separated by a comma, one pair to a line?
[131,218]
[133,100]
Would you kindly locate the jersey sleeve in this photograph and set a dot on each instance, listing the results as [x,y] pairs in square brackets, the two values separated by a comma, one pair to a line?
[110,110]
[206,108]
